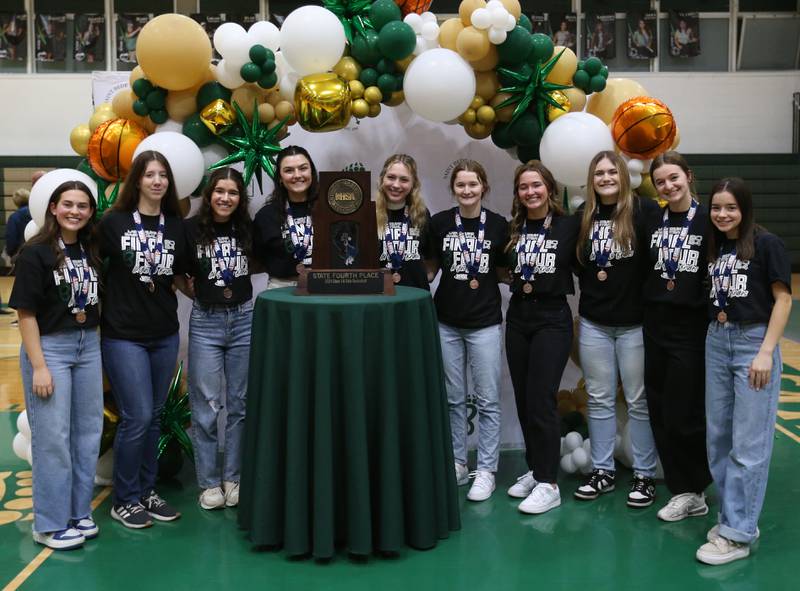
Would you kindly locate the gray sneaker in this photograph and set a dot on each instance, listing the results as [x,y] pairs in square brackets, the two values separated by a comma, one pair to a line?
[682,506]
[523,486]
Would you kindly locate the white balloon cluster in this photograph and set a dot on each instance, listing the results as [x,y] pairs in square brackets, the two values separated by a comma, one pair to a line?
[426,28]
[233,43]
[22,440]
[575,453]
[635,169]
[496,19]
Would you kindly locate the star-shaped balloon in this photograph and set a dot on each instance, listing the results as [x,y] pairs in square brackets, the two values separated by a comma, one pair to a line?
[256,148]
[175,417]
[532,88]
[353,14]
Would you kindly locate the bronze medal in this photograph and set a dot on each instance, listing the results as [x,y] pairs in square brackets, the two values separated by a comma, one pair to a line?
[80,317]
[151,286]
[670,284]
[527,287]
[301,268]
[602,275]
[227,293]
[396,277]
[722,317]
[473,284]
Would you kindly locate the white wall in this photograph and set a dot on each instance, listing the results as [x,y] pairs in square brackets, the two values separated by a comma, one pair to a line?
[716,112]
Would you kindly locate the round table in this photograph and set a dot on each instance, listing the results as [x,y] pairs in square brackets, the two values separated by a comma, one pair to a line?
[347,437]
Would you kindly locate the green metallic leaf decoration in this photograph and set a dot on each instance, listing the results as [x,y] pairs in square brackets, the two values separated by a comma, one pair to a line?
[175,417]
[353,14]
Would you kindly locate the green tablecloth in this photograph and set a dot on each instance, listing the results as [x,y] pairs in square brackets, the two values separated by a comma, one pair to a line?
[347,439]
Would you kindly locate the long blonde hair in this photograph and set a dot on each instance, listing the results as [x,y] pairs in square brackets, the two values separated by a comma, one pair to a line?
[416,206]
[519,213]
[622,218]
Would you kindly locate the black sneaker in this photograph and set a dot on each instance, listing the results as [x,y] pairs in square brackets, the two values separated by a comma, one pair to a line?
[158,508]
[131,515]
[643,491]
[599,482]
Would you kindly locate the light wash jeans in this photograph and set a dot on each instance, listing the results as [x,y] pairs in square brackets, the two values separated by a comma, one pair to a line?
[740,425]
[481,348]
[609,353]
[140,373]
[65,427]
[219,355]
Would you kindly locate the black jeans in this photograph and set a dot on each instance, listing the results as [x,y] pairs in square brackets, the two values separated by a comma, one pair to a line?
[538,342]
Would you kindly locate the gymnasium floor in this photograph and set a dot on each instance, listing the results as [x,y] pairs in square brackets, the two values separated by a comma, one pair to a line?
[598,546]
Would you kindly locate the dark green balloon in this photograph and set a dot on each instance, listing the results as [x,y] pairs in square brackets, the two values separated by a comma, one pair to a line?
[159,116]
[268,80]
[140,107]
[398,81]
[523,69]
[369,77]
[365,48]
[258,54]
[501,136]
[597,83]
[382,12]
[211,91]
[196,130]
[397,40]
[515,49]
[386,66]
[593,66]
[268,67]
[604,72]
[386,84]
[527,153]
[525,131]
[142,87]
[581,80]
[541,50]
[156,99]
[525,23]
[250,72]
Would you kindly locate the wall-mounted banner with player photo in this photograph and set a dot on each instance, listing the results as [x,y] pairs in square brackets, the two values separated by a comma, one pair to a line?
[642,35]
[684,31]
[51,37]
[128,28]
[89,38]
[565,29]
[599,40]
[13,36]
[540,24]
[210,24]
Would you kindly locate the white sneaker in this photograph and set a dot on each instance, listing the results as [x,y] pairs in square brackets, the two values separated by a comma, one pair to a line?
[682,506]
[483,486]
[66,539]
[542,498]
[722,551]
[523,487]
[231,493]
[212,498]
[713,533]
[462,474]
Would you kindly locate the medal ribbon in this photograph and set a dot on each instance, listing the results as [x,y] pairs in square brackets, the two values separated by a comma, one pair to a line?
[396,256]
[300,249]
[527,261]
[473,259]
[226,268]
[601,256]
[78,282]
[152,258]
[721,275]
[669,255]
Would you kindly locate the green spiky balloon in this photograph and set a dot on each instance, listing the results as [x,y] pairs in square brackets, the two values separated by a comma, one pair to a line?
[175,417]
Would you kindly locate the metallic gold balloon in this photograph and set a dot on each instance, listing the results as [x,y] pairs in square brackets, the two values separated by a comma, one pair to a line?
[356,89]
[322,102]
[563,100]
[100,116]
[111,147]
[646,188]
[218,116]
[478,130]
[468,117]
[375,110]
[486,115]
[348,68]
[360,108]
[402,65]
[398,96]
[643,127]
[373,95]
[79,139]
[506,113]
[477,103]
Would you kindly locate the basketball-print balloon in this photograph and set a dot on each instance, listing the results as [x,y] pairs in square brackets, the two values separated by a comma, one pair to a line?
[111,147]
[643,127]
[416,6]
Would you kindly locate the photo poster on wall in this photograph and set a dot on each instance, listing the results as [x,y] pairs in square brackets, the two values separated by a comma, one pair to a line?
[129,25]
[599,38]
[13,36]
[89,38]
[642,35]
[684,31]
[565,29]
[245,20]
[210,24]
[540,24]
[51,37]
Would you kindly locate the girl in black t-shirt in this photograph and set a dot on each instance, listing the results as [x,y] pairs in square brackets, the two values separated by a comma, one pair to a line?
[610,270]
[539,326]
[468,247]
[674,336]
[750,301]
[283,232]
[402,221]
[56,295]
[144,241]
[219,332]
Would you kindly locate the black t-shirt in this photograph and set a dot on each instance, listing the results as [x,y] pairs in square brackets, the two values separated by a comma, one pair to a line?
[272,241]
[418,248]
[457,304]
[47,292]
[750,294]
[617,301]
[690,277]
[130,310]
[209,287]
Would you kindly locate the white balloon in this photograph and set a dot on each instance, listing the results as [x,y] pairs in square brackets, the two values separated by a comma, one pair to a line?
[567,464]
[228,75]
[495,4]
[266,34]
[498,16]
[22,424]
[29,454]
[570,142]
[414,21]
[226,37]
[587,445]
[44,187]
[184,157]
[420,46]
[105,469]
[31,230]
[572,441]
[429,17]
[287,86]
[562,448]
[212,154]
[618,445]
[481,19]
[580,458]
[430,31]
[575,202]
[636,180]
[439,85]
[497,36]
[170,125]
[635,166]
[312,40]
[627,446]
[20,446]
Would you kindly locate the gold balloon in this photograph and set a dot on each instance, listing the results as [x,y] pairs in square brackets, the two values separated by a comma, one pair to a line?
[273,97]
[356,88]
[448,33]
[283,110]
[486,85]
[111,147]
[348,68]
[402,65]
[135,74]
[477,103]
[617,91]
[513,7]
[487,63]
[266,113]
[676,142]
[643,127]
[468,117]
[478,130]
[79,138]
[360,108]
[122,104]
[100,117]
[397,97]
[562,99]
[472,44]
[506,113]
[322,102]
[104,107]
[373,95]
[467,7]
[577,99]
[646,189]
[486,115]
[375,110]
[218,116]
[565,67]
[246,95]
[181,103]
[174,51]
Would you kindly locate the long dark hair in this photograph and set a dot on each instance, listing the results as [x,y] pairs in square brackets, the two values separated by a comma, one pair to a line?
[745,248]
[128,199]
[519,212]
[280,193]
[50,232]
[240,216]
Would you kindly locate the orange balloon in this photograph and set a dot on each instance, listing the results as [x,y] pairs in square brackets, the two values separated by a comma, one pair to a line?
[111,147]
[417,6]
[643,127]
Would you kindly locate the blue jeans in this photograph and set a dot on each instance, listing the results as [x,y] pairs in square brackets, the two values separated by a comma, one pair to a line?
[740,426]
[140,373]
[65,427]
[481,347]
[609,353]
[219,354]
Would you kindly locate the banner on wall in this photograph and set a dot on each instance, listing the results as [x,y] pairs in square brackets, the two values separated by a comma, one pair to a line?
[565,29]
[128,28]
[246,20]
[210,23]
[540,24]
[89,38]
[600,41]
[13,36]
[51,37]
[642,39]
[684,34]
